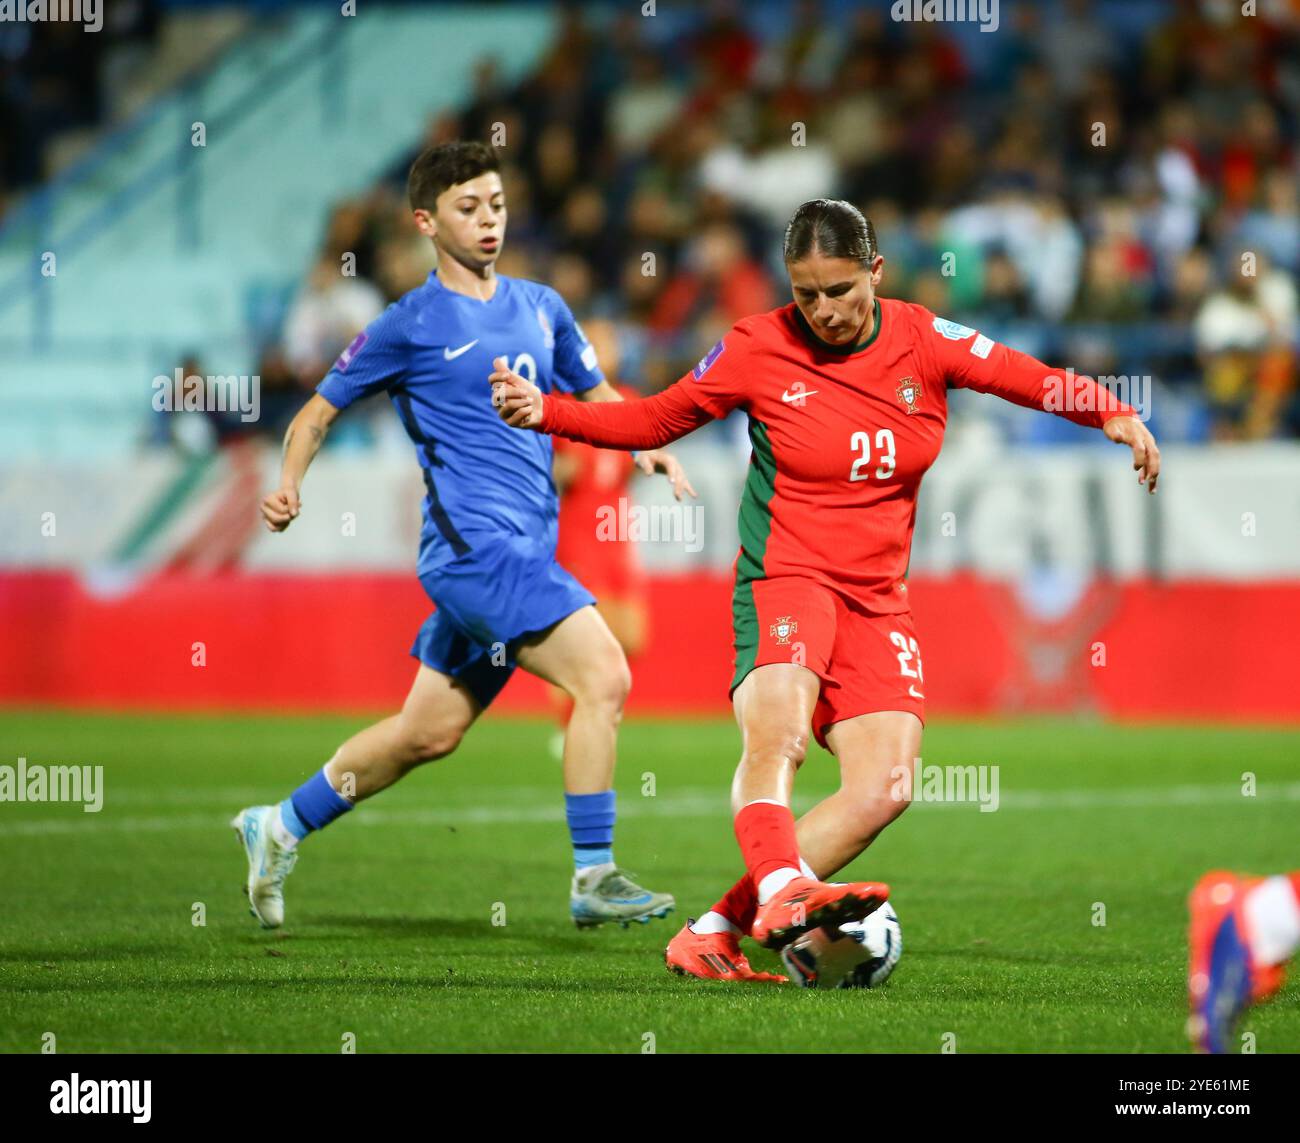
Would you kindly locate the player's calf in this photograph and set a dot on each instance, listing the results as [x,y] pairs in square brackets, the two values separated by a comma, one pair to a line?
[418,744]
[842,826]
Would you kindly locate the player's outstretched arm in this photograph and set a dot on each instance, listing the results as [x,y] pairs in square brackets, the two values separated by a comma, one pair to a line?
[648,423]
[651,460]
[976,362]
[1027,381]
[302,441]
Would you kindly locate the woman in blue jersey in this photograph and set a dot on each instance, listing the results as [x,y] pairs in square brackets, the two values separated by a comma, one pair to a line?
[487,548]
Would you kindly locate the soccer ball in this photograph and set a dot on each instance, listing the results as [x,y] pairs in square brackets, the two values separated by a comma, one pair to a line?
[861,955]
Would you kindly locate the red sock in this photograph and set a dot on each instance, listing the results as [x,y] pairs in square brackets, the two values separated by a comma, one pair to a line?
[767,839]
[739,904]
[1294,878]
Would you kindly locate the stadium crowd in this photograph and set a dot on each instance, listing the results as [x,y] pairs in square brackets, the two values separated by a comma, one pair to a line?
[1120,197]
[54,78]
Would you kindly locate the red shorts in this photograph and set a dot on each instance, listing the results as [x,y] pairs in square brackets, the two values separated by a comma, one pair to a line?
[866,662]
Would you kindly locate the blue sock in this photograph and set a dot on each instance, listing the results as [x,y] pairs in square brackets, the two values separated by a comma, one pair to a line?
[591,826]
[312,806]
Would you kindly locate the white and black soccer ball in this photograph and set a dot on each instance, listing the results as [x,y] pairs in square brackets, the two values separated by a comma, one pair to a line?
[862,954]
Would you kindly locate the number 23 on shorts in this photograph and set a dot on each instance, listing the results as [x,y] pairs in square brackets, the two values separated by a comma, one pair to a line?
[909,652]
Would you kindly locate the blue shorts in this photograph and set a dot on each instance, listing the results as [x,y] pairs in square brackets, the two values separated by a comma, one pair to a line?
[489,600]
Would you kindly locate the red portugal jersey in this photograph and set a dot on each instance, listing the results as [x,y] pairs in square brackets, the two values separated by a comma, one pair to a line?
[841,436]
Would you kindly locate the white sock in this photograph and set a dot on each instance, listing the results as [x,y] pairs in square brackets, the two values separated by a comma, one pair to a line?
[1272,920]
[284,838]
[774,882]
[713,922]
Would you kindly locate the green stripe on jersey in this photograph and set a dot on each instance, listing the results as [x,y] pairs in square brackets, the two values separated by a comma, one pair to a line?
[744,626]
[755,522]
[755,526]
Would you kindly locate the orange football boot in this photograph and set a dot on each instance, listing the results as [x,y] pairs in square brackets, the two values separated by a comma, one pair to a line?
[712,956]
[808,904]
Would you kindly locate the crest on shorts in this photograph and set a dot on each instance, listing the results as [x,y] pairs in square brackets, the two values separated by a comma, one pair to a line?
[909,393]
[783,628]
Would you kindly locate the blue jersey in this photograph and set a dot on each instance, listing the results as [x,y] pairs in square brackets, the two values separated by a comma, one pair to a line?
[431,352]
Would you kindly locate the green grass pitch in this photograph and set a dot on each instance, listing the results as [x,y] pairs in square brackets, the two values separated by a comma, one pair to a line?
[390,933]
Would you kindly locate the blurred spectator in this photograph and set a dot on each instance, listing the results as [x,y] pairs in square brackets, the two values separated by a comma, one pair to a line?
[1078,43]
[645,106]
[717,275]
[1192,279]
[808,55]
[1245,335]
[783,166]
[402,264]
[1005,297]
[56,77]
[650,179]
[1110,292]
[283,393]
[327,314]
[1273,226]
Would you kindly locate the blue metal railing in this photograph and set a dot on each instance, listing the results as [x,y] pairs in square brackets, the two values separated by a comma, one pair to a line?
[179,169]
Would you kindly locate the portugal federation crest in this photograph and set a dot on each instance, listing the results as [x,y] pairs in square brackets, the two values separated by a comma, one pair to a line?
[909,393]
[783,628]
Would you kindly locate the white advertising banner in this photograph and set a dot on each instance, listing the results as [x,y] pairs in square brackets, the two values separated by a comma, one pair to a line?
[1229,513]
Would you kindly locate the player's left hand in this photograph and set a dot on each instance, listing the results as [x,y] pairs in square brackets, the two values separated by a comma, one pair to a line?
[657,460]
[517,400]
[1146,457]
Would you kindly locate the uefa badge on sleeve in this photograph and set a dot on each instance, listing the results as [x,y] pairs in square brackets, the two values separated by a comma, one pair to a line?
[909,393]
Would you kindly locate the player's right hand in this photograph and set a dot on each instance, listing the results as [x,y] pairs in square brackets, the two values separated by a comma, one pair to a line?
[1146,457]
[280,507]
[517,401]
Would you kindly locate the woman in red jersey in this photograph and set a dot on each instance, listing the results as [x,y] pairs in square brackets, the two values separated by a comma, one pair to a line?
[846,394]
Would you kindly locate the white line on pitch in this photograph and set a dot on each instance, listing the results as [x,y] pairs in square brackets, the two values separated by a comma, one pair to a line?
[694,802]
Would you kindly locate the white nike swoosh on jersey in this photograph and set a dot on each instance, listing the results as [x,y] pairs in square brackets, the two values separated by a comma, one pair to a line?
[451,354]
[914,692]
[787,396]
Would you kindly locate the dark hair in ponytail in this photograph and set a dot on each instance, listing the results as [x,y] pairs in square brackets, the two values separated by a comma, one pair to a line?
[836,228]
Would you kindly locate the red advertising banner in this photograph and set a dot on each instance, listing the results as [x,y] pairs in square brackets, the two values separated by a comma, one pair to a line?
[234,641]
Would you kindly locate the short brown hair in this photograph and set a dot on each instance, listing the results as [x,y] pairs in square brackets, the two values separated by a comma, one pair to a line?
[447,165]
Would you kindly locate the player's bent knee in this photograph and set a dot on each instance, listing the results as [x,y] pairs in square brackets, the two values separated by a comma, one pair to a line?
[895,805]
[789,745]
[607,685]
[862,818]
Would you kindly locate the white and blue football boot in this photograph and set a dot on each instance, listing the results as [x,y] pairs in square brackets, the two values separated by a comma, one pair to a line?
[269,863]
[604,894]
